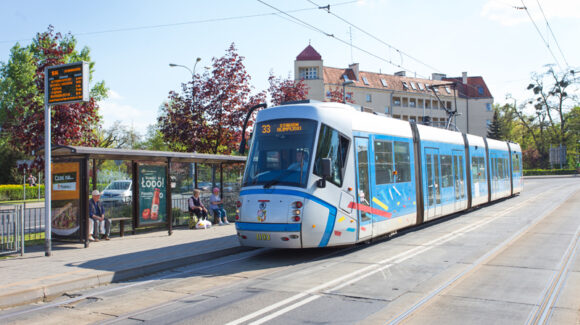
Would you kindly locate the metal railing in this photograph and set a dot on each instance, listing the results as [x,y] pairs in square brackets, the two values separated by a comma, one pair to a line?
[11,231]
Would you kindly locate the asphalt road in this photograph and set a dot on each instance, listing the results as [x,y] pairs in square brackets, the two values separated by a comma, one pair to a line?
[512,262]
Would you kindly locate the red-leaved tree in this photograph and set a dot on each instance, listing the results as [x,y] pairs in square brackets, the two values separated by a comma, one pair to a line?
[208,116]
[23,120]
[286,90]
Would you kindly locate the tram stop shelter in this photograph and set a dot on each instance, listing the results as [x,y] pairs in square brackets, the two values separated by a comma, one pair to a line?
[151,200]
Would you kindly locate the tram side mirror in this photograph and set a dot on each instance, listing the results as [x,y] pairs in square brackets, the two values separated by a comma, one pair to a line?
[325,164]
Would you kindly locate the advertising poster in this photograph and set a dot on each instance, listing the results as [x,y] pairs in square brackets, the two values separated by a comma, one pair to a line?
[65,198]
[152,194]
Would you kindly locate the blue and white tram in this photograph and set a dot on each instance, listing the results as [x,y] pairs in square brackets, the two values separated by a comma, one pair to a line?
[326,174]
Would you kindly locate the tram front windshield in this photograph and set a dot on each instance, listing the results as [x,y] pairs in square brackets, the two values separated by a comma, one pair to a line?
[281,153]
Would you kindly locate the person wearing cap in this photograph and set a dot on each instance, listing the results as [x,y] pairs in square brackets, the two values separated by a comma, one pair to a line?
[217,206]
[97,215]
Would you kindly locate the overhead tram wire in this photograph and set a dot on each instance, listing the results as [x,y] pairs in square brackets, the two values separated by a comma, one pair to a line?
[339,39]
[540,33]
[374,37]
[193,22]
[552,32]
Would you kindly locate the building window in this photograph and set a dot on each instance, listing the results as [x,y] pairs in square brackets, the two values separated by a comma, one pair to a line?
[448,90]
[396,101]
[448,105]
[488,107]
[309,73]
[345,77]
[412,103]
[365,81]
[420,86]
[369,98]
[405,86]
[427,104]
[480,90]
[413,85]
[384,83]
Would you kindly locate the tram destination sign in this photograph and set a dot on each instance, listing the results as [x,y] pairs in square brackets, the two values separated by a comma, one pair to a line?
[67,83]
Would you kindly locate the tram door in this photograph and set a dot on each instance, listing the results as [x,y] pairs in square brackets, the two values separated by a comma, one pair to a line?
[363,189]
[433,191]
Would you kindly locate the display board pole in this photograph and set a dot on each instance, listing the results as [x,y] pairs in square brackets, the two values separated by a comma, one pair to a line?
[47,173]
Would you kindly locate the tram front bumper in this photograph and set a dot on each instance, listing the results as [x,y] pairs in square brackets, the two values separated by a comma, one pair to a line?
[269,235]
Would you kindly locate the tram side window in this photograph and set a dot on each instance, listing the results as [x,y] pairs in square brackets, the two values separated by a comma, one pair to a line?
[402,162]
[478,169]
[384,166]
[481,175]
[516,160]
[333,145]
[446,171]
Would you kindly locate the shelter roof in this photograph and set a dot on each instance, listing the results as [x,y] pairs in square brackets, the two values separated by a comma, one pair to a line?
[143,155]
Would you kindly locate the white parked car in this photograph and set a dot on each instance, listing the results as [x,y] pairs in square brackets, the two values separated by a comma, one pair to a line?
[118,191]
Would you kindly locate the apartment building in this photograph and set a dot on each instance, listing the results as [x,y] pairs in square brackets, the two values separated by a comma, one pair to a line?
[401,96]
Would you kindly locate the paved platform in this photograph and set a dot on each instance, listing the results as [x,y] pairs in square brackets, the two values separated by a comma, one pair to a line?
[34,277]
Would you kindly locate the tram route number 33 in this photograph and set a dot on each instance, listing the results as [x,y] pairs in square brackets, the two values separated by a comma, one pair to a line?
[263,236]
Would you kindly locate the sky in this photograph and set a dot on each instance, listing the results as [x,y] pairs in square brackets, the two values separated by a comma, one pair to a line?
[133,42]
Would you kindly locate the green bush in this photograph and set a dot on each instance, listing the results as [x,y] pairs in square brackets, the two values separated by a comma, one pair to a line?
[533,172]
[14,192]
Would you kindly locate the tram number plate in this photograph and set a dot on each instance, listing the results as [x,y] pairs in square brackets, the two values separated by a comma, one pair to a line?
[263,236]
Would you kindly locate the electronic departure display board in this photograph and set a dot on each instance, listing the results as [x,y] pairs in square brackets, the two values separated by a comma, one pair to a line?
[67,83]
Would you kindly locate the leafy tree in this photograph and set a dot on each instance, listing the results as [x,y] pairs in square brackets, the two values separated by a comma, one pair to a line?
[286,90]
[552,100]
[8,158]
[208,116]
[22,96]
[119,136]
[494,129]
[154,140]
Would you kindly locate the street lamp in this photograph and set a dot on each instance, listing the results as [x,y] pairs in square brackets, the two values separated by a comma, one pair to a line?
[173,65]
[347,82]
[188,69]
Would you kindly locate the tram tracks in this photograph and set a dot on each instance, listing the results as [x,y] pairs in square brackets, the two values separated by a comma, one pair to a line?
[539,315]
[307,296]
[156,281]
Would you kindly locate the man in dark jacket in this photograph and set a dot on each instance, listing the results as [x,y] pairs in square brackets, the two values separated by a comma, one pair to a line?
[97,216]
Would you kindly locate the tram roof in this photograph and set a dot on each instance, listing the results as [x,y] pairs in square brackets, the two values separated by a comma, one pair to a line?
[144,155]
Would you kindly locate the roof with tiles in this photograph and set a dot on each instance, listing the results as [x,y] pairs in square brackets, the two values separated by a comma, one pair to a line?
[308,54]
[397,83]
[472,88]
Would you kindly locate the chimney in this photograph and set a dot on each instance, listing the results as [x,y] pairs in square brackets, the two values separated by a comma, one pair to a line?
[400,73]
[354,68]
[464,77]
